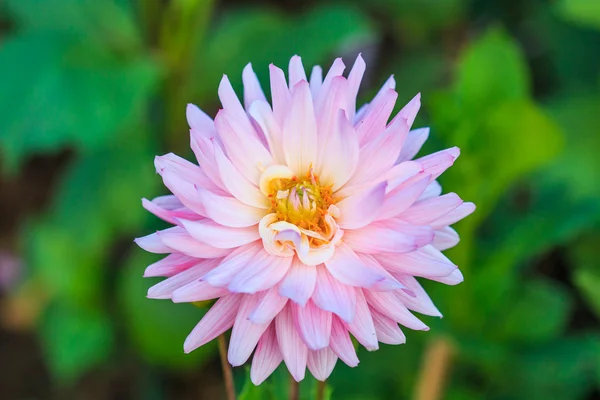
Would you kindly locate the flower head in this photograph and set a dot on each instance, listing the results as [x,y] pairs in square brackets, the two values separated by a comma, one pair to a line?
[307,220]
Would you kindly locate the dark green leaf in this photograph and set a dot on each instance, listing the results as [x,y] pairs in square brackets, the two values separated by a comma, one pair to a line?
[75,340]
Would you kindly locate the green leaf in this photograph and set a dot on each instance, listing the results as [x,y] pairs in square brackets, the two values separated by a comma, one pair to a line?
[157,328]
[537,312]
[69,94]
[75,340]
[492,70]
[581,12]
[584,255]
[262,36]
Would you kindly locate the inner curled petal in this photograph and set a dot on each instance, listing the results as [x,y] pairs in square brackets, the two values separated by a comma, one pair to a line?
[301,218]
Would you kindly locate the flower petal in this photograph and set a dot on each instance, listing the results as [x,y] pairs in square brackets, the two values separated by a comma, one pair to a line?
[361,208]
[232,265]
[261,113]
[420,300]
[217,320]
[332,295]
[340,157]
[232,106]
[399,199]
[237,184]
[390,306]
[245,334]
[280,94]
[427,262]
[197,291]
[313,324]
[261,273]
[198,119]
[244,149]
[388,331]
[229,211]
[445,238]
[425,212]
[413,143]
[299,282]
[454,216]
[178,239]
[252,89]
[346,267]
[321,363]
[410,110]
[436,163]
[362,326]
[316,80]
[376,117]
[170,265]
[454,278]
[266,357]
[378,237]
[354,78]
[300,132]
[341,344]
[293,349]
[165,288]
[296,71]
[219,236]
[153,244]
[270,304]
[167,214]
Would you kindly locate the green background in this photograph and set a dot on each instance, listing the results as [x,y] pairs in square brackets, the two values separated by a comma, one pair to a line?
[91,90]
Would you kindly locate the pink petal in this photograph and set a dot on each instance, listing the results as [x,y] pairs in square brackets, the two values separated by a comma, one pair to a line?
[252,89]
[379,155]
[332,295]
[245,334]
[270,304]
[454,278]
[184,190]
[341,344]
[313,324]
[300,132]
[232,265]
[402,172]
[436,163]
[262,272]
[219,236]
[179,240]
[354,78]
[328,121]
[454,216]
[387,284]
[321,363]
[426,211]
[413,143]
[261,113]
[217,320]
[433,190]
[236,184]
[388,331]
[316,80]
[197,291]
[420,300]
[299,283]
[341,154]
[170,265]
[166,214]
[197,119]
[244,149]
[390,306]
[296,71]
[362,326]
[153,244]
[379,237]
[203,147]
[231,104]
[376,117]
[346,267]
[293,350]
[426,262]
[361,208]
[280,94]
[399,199]
[445,238]
[266,357]
[410,110]
[164,289]
[337,69]
[229,211]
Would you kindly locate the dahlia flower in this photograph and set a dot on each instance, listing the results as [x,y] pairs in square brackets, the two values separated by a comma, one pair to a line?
[306,219]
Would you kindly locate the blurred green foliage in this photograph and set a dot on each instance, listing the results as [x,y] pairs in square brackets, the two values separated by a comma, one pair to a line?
[515,86]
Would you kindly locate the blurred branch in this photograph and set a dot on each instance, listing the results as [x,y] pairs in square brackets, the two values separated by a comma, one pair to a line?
[182,32]
[294,389]
[227,375]
[434,369]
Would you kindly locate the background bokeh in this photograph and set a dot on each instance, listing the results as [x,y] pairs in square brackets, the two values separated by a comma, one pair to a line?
[91,90]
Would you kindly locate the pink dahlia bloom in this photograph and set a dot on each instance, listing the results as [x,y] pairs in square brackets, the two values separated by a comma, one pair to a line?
[306,219]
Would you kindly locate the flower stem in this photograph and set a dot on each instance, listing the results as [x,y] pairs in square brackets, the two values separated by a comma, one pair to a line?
[294,389]
[437,361]
[321,385]
[227,375]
